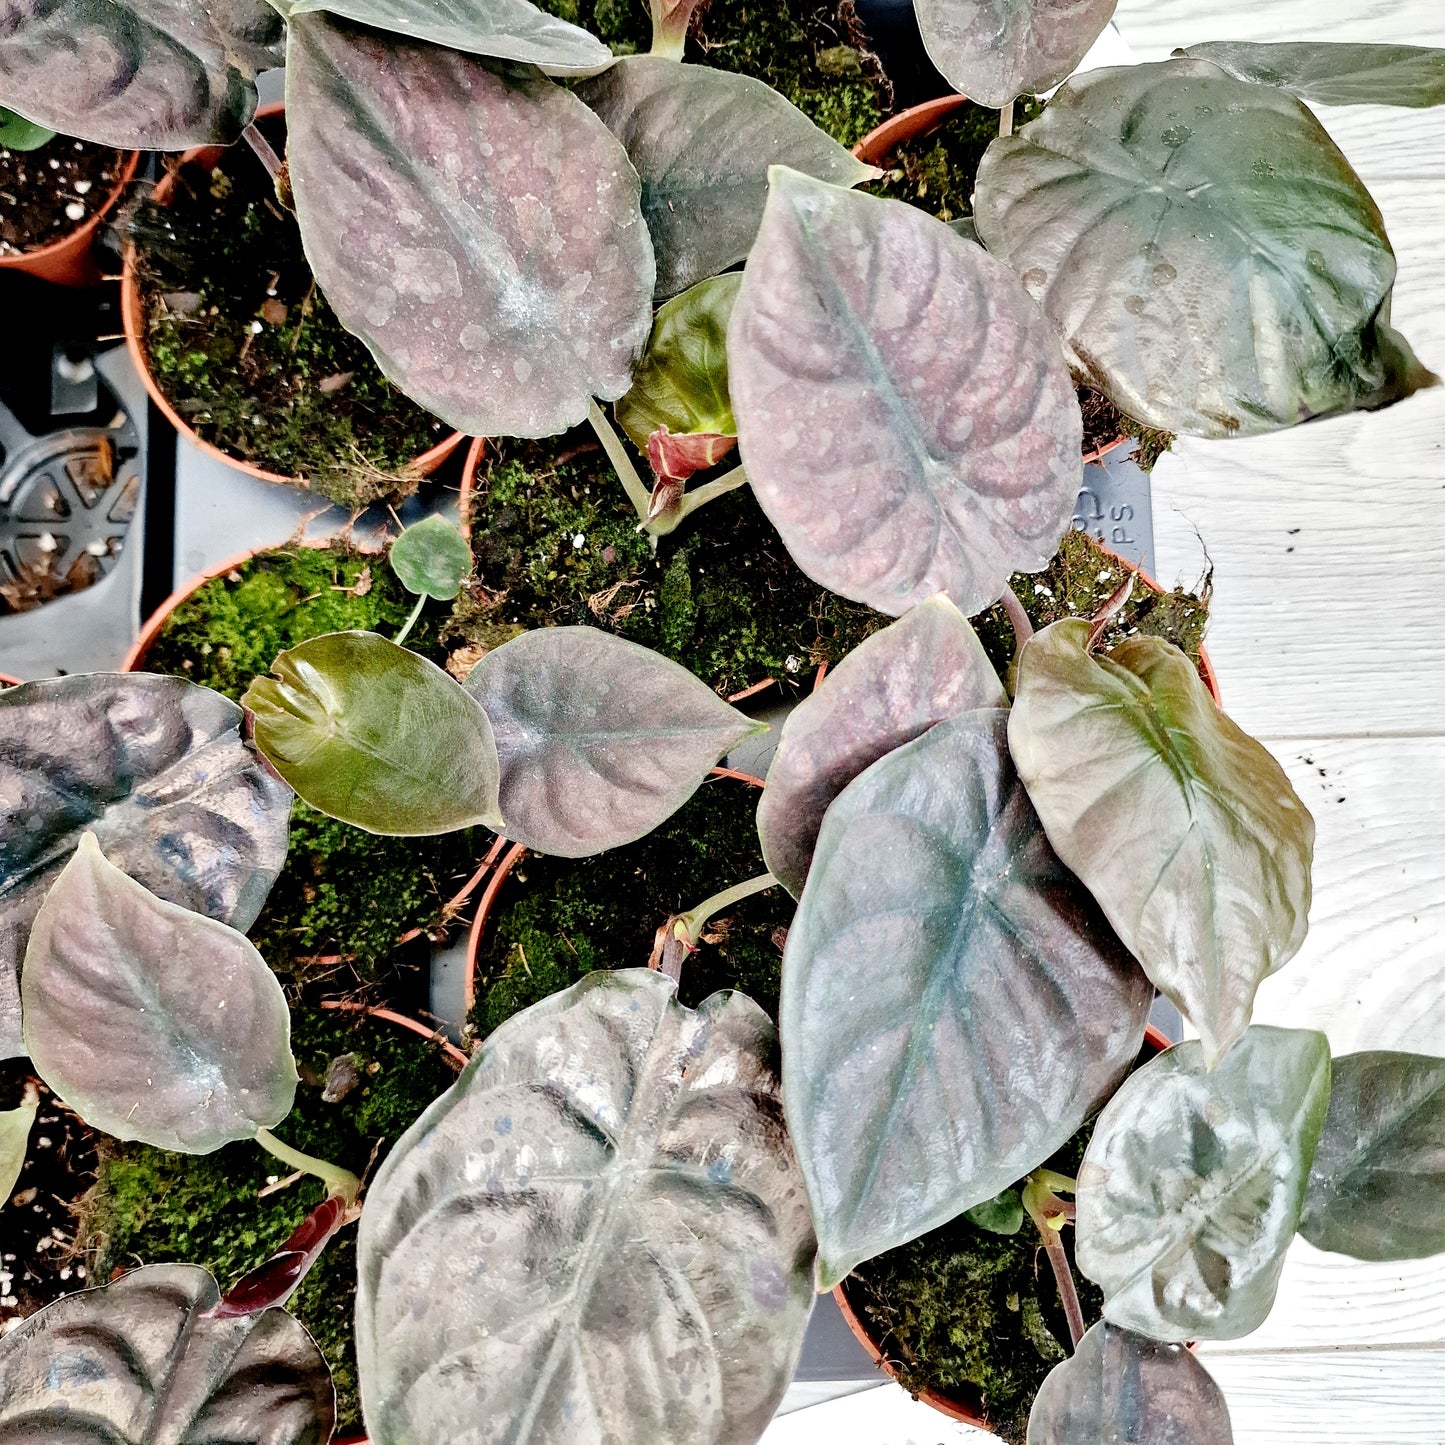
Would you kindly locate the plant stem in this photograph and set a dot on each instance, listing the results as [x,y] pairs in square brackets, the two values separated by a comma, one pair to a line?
[1018,618]
[729,482]
[690,925]
[1109,611]
[638,493]
[1006,120]
[340,1182]
[1037,1195]
[410,622]
[265,153]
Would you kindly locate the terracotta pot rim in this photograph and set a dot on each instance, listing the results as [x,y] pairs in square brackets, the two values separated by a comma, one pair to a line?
[7,681]
[132,316]
[458,1058]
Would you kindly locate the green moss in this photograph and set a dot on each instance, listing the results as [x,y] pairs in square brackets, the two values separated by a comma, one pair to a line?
[1150,444]
[229,260]
[151,1206]
[557,918]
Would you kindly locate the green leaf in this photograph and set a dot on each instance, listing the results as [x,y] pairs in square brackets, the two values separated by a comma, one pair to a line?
[927,666]
[953,1004]
[896,461]
[144,1359]
[611,1181]
[1193,1182]
[1332,74]
[1119,1386]
[501,29]
[1211,261]
[702,141]
[1185,829]
[19,134]
[156,767]
[15,1139]
[150,1021]
[1377,1188]
[374,735]
[138,74]
[1003,1214]
[431,558]
[600,740]
[996,50]
[488,246]
[681,383]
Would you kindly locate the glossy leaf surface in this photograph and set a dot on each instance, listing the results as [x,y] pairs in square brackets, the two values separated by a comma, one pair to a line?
[903,413]
[611,1181]
[156,767]
[431,558]
[953,1004]
[1377,1186]
[600,740]
[487,246]
[137,74]
[1185,829]
[702,141]
[273,1283]
[927,666]
[681,383]
[1193,1182]
[501,29]
[376,736]
[1211,261]
[15,1140]
[153,1022]
[1327,73]
[142,1360]
[1119,1386]
[995,50]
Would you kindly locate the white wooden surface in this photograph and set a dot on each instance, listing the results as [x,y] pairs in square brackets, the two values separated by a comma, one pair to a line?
[1328,544]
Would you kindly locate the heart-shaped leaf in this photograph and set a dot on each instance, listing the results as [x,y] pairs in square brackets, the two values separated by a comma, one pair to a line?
[137,74]
[611,1185]
[1193,1182]
[702,141]
[501,29]
[1211,261]
[157,769]
[681,383]
[1377,1187]
[953,1004]
[374,735]
[152,1022]
[19,134]
[431,558]
[143,1359]
[927,666]
[903,413]
[996,50]
[1185,830]
[600,739]
[15,1140]
[487,246]
[1003,1214]
[1121,1386]
[1333,74]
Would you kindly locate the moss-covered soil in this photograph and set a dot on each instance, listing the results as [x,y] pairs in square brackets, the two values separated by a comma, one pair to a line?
[249,353]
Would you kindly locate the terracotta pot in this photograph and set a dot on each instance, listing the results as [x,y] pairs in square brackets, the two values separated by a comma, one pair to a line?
[944,1404]
[133,321]
[7,681]
[71,260]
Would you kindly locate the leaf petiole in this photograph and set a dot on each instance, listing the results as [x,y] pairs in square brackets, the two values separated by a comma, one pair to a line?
[410,622]
[1049,1216]
[638,493]
[339,1182]
[689,926]
[730,481]
[1006,120]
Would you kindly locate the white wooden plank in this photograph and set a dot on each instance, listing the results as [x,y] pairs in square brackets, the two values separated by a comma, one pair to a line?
[1155,27]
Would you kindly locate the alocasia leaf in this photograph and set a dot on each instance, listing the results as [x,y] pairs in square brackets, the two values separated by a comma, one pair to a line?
[1185,830]
[1193,1182]
[1003,1214]
[600,740]
[1377,1187]
[19,134]
[431,558]
[1328,73]
[374,735]
[681,383]
[1120,1386]
[150,1021]
[15,1139]
[598,1233]
[702,141]
[1211,261]
[996,50]
[143,1360]
[487,246]
[501,29]
[927,666]
[953,1003]
[156,767]
[137,74]
[903,412]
